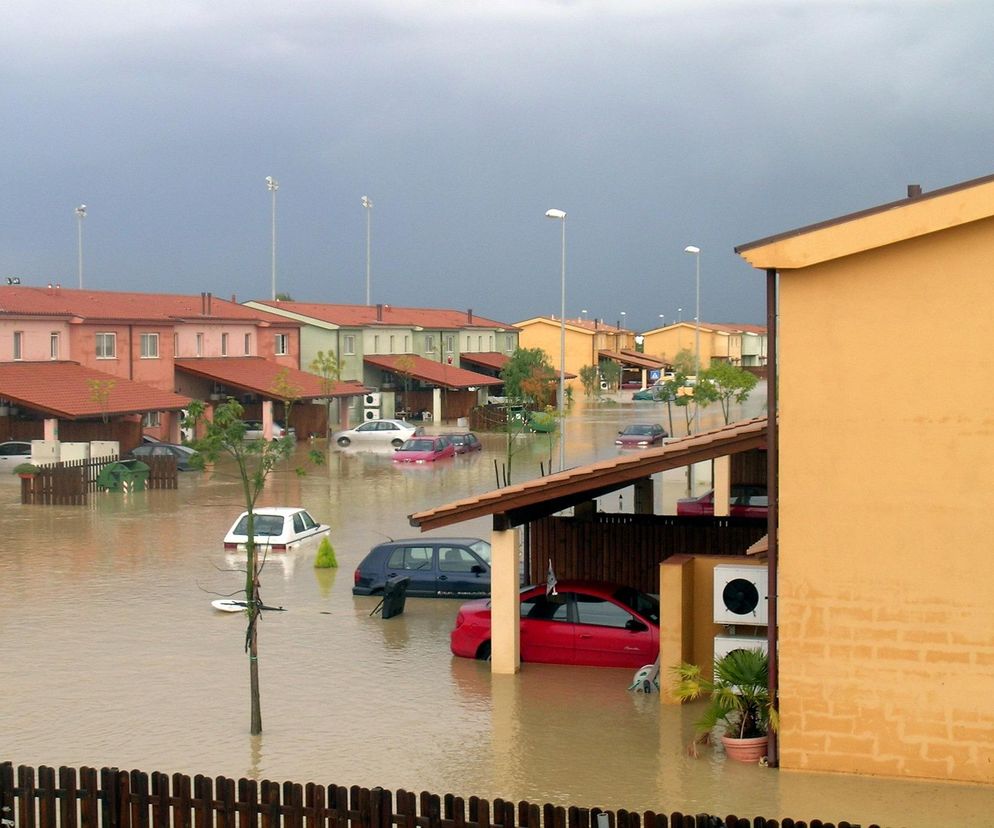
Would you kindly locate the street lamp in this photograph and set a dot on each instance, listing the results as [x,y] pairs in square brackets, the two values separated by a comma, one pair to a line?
[273,185]
[696,253]
[367,205]
[559,215]
[679,314]
[80,215]
[662,324]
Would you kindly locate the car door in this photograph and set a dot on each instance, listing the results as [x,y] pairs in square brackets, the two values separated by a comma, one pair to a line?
[547,629]
[461,574]
[414,561]
[609,635]
[14,453]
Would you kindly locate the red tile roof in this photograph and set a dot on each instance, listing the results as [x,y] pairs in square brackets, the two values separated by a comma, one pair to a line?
[436,373]
[64,390]
[555,492]
[590,325]
[360,316]
[105,305]
[633,358]
[261,376]
[487,359]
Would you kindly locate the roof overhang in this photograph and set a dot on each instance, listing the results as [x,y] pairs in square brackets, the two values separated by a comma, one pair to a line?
[427,370]
[267,379]
[632,359]
[515,505]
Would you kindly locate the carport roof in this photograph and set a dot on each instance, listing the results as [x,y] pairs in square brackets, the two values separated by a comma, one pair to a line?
[493,360]
[65,390]
[435,373]
[524,502]
[632,358]
[261,376]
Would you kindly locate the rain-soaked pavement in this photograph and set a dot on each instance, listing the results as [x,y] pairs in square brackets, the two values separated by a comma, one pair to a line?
[110,654]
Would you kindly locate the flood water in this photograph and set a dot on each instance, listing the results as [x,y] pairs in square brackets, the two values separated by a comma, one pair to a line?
[110,654]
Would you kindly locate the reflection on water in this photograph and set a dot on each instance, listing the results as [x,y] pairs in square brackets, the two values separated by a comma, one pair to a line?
[111,654]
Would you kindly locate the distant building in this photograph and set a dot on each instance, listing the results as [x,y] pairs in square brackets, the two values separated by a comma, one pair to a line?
[742,345]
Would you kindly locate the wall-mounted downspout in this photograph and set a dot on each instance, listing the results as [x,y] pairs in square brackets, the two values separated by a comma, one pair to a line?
[773,491]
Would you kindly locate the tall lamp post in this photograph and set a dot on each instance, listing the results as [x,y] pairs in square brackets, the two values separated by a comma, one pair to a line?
[273,185]
[559,215]
[80,215]
[696,252]
[367,205]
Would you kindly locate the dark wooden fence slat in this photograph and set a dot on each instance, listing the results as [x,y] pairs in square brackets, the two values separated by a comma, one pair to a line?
[69,802]
[26,803]
[47,809]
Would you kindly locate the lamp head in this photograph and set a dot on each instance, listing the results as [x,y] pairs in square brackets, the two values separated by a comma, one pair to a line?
[81,211]
[367,202]
[555,214]
[272,183]
[691,249]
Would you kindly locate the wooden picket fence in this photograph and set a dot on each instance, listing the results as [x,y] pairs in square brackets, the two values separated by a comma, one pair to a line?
[70,483]
[112,798]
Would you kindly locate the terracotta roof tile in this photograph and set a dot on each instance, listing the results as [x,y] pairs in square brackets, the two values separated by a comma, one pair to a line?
[361,316]
[437,373]
[63,389]
[488,359]
[260,376]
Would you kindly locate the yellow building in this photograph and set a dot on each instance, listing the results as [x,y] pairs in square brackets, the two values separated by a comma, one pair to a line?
[886,486]
[585,339]
[743,345]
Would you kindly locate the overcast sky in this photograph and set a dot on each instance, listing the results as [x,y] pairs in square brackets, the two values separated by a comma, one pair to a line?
[654,125]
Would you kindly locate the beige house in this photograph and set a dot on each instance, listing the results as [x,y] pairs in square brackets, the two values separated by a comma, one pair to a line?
[743,345]
[884,575]
[585,339]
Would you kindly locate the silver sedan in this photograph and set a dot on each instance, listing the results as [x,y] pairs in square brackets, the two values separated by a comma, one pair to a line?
[377,432]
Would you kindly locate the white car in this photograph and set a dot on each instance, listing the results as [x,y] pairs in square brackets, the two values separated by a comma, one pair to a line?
[378,432]
[276,529]
[13,453]
[253,430]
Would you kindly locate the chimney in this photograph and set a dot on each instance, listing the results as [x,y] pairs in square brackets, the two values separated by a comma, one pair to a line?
[469,317]
[234,299]
[379,313]
[914,190]
[210,303]
[203,304]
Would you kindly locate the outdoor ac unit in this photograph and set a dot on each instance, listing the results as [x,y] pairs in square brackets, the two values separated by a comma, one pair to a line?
[604,386]
[372,400]
[371,414]
[740,595]
[724,644]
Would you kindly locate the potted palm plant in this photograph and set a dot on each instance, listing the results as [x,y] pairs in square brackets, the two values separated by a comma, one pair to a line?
[738,700]
[25,470]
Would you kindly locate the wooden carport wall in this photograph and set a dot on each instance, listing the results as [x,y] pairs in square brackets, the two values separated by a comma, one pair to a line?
[514,506]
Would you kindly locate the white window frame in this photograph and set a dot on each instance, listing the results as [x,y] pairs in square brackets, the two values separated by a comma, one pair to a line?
[248,344]
[376,343]
[102,340]
[152,419]
[224,344]
[349,345]
[149,343]
[281,344]
[175,345]
[450,344]
[18,345]
[429,344]
[200,344]
[53,345]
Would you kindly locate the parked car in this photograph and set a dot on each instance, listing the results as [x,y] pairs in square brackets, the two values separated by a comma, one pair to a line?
[12,454]
[254,430]
[641,434]
[424,449]
[185,456]
[584,622]
[437,567]
[378,432]
[466,442]
[276,529]
[745,500]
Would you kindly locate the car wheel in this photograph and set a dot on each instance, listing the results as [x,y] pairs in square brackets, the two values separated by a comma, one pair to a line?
[396,443]
[344,441]
[483,654]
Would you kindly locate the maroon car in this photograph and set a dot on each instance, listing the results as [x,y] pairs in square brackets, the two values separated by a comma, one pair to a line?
[638,435]
[465,442]
[583,622]
[744,501]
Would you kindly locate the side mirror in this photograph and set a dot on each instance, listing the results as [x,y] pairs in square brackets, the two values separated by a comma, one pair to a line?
[477,569]
[634,625]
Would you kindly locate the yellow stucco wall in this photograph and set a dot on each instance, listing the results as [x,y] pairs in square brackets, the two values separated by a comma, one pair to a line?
[666,343]
[546,334]
[886,585]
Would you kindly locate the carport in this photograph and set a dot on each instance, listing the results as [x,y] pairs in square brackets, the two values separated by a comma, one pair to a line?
[516,506]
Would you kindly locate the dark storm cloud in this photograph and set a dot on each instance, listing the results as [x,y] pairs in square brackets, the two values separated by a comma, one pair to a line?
[654,125]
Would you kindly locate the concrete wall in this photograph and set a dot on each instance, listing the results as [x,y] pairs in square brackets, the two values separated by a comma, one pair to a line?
[886,575]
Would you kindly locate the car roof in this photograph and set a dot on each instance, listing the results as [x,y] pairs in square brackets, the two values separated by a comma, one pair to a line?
[424,541]
[282,511]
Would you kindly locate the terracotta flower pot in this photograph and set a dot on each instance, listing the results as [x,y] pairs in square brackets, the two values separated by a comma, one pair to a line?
[745,750]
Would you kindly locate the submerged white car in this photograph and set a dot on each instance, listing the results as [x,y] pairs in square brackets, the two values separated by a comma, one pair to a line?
[378,433]
[276,529]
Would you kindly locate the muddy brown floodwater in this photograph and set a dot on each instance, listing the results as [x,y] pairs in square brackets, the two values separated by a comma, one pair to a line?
[110,654]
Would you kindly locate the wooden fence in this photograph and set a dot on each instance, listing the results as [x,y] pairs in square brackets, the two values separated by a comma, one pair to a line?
[112,798]
[70,483]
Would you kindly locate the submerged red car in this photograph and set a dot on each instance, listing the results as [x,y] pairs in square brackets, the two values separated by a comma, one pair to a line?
[585,622]
[424,449]
[744,501]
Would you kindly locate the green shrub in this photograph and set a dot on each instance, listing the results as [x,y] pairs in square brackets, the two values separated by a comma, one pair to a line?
[326,555]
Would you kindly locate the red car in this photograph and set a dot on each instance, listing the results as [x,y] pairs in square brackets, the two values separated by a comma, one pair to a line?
[641,434]
[744,501]
[465,442]
[584,622]
[424,449]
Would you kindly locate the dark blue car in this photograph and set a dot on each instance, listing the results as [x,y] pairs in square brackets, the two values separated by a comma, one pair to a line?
[437,567]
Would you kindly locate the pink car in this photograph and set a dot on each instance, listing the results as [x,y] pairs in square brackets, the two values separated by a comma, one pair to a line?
[424,449]
[745,501]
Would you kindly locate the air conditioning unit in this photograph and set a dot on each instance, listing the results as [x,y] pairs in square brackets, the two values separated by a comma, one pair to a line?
[741,594]
[724,644]
[372,400]
[604,386]
[371,414]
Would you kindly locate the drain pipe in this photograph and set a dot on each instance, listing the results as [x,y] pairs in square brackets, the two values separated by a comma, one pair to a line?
[773,491]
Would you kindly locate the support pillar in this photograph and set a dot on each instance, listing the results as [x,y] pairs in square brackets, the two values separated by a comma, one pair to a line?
[52,429]
[643,496]
[436,405]
[505,607]
[722,485]
[267,419]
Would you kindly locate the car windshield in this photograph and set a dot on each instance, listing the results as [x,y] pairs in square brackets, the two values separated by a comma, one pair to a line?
[418,445]
[265,526]
[638,429]
[481,548]
[645,605]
